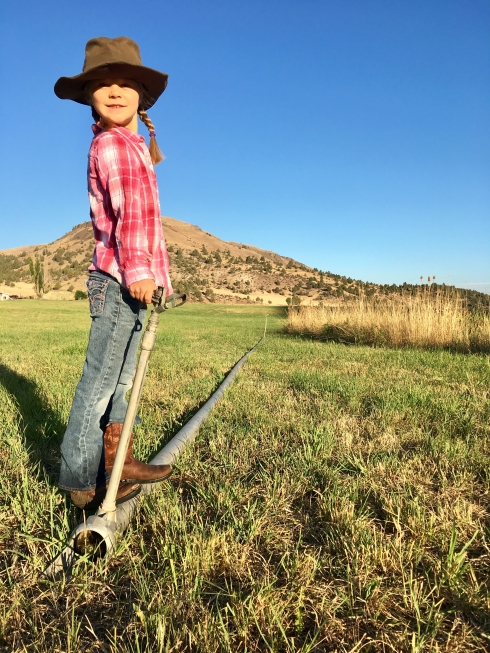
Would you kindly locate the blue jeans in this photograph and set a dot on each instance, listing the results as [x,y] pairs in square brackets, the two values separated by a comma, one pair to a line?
[100,397]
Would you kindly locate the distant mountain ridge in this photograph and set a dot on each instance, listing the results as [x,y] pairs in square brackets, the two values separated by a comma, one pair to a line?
[207,268]
[66,259]
[177,234]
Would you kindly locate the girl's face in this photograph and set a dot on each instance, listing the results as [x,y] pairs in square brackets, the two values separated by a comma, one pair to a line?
[116,101]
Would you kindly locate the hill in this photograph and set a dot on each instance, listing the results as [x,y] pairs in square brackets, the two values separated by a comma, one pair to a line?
[203,265]
[207,268]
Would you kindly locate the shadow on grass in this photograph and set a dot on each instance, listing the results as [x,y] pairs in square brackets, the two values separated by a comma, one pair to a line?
[41,425]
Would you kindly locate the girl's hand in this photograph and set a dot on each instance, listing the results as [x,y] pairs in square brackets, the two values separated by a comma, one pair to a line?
[143,290]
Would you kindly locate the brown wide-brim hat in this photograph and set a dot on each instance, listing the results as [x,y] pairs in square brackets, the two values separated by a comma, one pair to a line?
[119,57]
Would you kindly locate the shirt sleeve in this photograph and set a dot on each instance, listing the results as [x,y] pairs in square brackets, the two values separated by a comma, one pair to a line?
[120,172]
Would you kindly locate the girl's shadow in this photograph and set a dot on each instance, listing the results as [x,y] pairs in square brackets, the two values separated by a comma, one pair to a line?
[41,425]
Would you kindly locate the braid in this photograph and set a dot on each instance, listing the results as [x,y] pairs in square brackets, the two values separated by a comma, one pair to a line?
[155,153]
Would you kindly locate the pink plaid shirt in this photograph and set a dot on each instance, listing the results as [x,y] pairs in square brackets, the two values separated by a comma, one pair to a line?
[125,211]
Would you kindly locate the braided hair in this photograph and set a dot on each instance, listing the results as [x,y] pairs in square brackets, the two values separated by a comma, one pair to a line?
[155,152]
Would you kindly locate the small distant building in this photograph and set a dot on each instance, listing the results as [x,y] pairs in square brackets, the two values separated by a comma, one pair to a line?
[4,296]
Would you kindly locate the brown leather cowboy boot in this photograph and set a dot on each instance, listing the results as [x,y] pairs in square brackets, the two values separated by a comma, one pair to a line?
[134,471]
[92,499]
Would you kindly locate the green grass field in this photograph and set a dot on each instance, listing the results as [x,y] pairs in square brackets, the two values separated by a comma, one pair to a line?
[336,500]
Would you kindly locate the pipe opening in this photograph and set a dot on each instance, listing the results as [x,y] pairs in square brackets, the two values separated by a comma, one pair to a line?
[91,544]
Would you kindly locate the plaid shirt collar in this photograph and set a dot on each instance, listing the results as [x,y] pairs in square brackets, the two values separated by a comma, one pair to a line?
[127,133]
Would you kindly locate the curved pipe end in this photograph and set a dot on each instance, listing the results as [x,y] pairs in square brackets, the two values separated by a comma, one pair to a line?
[95,538]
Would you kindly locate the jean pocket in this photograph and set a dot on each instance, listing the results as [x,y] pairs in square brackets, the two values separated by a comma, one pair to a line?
[96,289]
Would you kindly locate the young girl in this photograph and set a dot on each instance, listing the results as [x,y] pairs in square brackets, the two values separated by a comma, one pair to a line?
[130,262]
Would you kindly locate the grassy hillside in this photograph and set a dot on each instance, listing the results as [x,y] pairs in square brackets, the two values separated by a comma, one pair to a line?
[336,500]
[200,262]
[210,270]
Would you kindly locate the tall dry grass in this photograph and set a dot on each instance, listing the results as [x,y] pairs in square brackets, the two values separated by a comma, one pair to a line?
[428,319]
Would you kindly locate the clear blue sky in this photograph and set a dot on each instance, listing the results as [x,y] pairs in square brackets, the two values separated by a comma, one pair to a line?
[352,135]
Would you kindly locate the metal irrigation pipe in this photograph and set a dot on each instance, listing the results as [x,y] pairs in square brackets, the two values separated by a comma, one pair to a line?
[99,532]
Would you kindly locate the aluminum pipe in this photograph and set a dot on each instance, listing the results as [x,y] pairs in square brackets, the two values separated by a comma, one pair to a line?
[100,535]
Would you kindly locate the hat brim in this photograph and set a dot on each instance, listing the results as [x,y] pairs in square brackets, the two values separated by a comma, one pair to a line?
[153,81]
